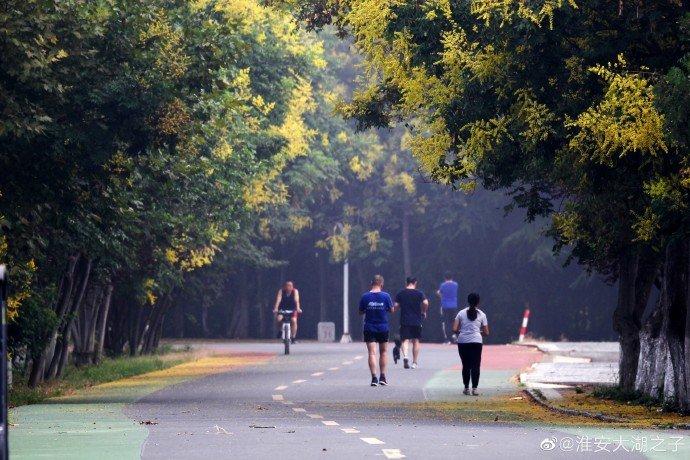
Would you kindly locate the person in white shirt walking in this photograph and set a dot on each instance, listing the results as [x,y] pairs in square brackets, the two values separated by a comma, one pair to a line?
[470,325]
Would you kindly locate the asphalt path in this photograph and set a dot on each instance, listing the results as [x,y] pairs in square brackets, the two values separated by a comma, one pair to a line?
[317,403]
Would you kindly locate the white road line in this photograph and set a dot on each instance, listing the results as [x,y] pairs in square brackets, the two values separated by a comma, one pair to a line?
[330,423]
[277,397]
[314,416]
[374,441]
[358,357]
[298,381]
[288,403]
[347,363]
[299,409]
[316,374]
[392,453]
[349,430]
[333,368]
[280,388]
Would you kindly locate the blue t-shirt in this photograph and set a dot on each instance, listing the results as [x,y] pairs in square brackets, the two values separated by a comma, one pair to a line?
[449,294]
[375,306]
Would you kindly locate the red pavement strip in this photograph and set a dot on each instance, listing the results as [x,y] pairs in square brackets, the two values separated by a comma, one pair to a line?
[507,357]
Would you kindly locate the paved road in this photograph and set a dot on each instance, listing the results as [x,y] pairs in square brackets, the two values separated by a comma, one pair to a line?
[317,403]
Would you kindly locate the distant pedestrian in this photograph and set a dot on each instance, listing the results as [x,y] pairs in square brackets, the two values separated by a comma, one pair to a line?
[375,306]
[413,306]
[448,293]
[470,325]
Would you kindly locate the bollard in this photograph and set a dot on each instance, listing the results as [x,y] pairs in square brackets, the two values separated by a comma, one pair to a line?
[523,328]
[4,453]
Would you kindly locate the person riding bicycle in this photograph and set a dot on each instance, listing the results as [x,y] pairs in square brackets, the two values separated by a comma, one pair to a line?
[287,303]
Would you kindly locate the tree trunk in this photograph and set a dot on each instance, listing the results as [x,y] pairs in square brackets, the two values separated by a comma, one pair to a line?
[103,323]
[651,368]
[407,263]
[60,357]
[675,301]
[624,324]
[63,298]
[204,318]
[635,280]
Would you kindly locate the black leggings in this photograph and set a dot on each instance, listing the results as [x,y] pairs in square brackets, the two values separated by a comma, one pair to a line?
[471,357]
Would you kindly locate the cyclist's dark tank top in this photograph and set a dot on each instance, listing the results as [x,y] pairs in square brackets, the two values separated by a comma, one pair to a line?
[287,302]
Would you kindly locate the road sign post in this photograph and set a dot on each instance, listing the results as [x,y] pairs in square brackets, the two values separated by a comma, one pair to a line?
[4,364]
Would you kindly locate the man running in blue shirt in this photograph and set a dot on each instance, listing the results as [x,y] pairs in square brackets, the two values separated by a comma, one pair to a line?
[375,306]
[448,292]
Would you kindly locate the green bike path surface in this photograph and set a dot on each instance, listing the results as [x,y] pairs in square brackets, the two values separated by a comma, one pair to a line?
[91,423]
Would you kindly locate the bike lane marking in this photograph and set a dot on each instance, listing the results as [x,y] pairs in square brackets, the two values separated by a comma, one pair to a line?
[392,453]
[349,430]
[372,441]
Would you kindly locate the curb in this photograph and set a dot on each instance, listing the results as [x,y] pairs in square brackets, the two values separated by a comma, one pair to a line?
[538,398]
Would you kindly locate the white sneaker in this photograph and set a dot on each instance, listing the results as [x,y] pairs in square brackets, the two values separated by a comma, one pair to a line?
[475,392]
[466,391]
[414,365]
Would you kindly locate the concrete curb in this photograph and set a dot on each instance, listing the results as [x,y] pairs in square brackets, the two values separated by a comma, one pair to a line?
[536,397]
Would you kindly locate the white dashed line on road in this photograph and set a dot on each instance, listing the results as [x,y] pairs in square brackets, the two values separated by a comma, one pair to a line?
[373,441]
[392,453]
[299,381]
[349,430]
[280,388]
[314,416]
[288,403]
[316,374]
[299,409]
[330,423]
[347,363]
[358,357]
[277,397]
[333,368]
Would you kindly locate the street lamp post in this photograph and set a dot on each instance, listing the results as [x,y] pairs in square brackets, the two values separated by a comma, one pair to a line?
[4,452]
[346,291]
[346,301]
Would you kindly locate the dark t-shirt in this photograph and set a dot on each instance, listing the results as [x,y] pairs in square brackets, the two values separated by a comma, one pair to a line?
[375,306]
[410,301]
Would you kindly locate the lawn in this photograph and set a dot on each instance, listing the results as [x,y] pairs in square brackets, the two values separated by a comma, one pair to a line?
[110,369]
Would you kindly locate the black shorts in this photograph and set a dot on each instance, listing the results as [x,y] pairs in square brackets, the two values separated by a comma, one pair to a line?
[410,332]
[378,337]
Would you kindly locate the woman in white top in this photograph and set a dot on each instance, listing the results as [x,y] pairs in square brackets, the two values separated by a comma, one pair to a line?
[470,325]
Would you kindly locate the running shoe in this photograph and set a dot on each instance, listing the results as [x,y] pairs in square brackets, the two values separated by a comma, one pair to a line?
[466,391]
[382,380]
[406,363]
[374,381]
[414,365]
[293,340]
[475,392]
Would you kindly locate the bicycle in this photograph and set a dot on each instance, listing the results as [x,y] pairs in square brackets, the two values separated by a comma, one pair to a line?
[286,328]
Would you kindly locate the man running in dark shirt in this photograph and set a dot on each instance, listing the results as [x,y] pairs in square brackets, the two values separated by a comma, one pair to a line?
[413,306]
